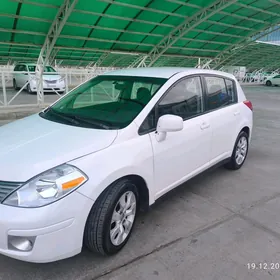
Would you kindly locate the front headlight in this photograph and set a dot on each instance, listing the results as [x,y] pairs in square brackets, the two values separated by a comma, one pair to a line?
[47,187]
[61,80]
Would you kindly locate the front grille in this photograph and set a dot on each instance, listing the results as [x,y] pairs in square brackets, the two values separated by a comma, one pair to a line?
[51,81]
[6,188]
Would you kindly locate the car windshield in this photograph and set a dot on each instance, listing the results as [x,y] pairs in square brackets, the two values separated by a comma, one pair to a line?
[47,69]
[105,102]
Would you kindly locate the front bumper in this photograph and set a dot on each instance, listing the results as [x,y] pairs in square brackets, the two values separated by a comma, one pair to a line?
[59,87]
[58,228]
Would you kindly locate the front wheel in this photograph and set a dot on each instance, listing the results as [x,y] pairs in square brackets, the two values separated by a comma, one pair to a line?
[240,152]
[112,217]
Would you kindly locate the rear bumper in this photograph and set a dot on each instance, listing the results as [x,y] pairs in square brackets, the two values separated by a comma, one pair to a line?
[57,229]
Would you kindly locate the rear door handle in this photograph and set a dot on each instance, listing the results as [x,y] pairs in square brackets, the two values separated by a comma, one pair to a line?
[236,113]
[204,125]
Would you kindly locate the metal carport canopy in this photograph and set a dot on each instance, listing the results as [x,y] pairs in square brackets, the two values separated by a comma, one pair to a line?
[124,33]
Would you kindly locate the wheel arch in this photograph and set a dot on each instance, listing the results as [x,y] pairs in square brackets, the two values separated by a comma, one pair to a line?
[143,191]
[142,187]
[247,130]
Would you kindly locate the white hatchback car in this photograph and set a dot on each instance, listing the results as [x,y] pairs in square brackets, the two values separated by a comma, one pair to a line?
[24,75]
[78,172]
[273,80]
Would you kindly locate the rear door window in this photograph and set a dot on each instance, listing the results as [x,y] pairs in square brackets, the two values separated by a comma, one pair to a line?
[220,92]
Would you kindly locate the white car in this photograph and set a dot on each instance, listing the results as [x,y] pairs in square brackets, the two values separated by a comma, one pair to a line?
[78,172]
[273,80]
[24,76]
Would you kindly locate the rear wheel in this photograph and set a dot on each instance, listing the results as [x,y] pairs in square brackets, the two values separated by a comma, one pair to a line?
[268,83]
[15,84]
[239,153]
[29,89]
[112,217]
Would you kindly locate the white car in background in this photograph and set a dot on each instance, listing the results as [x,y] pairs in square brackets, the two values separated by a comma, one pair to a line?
[25,73]
[78,172]
[273,80]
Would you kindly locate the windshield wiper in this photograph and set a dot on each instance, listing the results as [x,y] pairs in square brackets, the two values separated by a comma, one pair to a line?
[63,116]
[77,120]
[90,121]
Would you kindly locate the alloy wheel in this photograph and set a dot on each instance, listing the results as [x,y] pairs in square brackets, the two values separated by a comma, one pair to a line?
[123,218]
[241,150]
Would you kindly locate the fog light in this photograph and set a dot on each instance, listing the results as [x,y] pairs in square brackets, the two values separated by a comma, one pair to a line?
[20,243]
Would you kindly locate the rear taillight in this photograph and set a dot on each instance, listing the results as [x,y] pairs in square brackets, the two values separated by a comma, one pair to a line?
[248,104]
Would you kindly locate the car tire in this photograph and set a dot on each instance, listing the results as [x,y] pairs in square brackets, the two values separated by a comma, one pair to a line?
[29,89]
[109,225]
[268,83]
[15,84]
[239,153]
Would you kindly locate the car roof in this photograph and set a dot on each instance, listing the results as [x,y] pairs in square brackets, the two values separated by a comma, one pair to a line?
[27,64]
[164,72]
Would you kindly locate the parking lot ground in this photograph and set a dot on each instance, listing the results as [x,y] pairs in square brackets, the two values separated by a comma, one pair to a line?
[209,228]
[26,98]
[2,122]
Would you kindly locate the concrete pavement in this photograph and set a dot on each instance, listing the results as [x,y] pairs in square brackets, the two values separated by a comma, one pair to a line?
[209,228]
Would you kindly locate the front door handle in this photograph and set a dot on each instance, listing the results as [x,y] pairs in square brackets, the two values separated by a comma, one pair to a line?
[204,125]
[236,113]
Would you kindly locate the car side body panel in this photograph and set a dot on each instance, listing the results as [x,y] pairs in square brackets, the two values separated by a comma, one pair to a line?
[139,157]
[129,155]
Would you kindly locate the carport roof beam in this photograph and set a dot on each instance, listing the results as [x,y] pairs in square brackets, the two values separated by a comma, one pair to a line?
[61,17]
[188,25]
[235,48]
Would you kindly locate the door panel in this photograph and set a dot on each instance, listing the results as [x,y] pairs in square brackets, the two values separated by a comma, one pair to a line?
[182,152]
[20,77]
[17,75]
[276,80]
[224,114]
[223,123]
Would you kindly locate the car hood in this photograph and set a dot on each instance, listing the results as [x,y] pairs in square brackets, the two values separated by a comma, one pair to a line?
[51,77]
[32,145]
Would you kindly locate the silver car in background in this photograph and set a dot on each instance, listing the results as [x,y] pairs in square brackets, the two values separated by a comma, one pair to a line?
[24,75]
[273,80]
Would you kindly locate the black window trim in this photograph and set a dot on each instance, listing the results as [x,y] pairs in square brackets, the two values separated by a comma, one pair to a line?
[166,92]
[204,96]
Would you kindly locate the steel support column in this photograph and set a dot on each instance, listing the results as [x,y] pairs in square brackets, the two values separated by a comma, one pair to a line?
[204,64]
[46,52]
[137,61]
[92,69]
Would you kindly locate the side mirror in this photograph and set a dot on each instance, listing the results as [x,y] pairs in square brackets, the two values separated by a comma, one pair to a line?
[168,123]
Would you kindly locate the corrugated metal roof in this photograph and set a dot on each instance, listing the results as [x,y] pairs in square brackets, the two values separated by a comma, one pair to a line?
[120,32]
